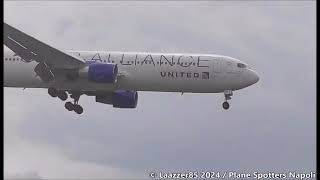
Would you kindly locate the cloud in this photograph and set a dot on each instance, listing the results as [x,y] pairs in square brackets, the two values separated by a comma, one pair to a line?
[27,175]
[270,126]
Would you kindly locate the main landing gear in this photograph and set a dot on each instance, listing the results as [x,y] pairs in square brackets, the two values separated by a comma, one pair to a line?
[61,94]
[53,92]
[227,96]
[74,106]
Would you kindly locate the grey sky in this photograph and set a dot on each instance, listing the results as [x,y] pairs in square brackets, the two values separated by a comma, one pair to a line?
[270,126]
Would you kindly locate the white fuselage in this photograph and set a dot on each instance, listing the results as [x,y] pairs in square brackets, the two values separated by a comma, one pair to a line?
[197,73]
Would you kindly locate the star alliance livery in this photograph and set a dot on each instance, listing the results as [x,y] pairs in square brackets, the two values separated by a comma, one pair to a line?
[115,78]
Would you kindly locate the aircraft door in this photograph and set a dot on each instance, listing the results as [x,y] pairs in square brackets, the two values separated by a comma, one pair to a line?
[217,69]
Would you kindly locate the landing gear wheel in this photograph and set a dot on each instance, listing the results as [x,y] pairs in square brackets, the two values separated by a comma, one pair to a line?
[225,105]
[62,95]
[78,109]
[72,106]
[227,96]
[53,92]
[69,106]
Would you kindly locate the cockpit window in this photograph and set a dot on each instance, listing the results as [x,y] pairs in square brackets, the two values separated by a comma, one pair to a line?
[240,65]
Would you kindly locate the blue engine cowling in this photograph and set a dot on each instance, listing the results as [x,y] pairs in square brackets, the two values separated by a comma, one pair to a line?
[119,99]
[103,73]
[125,99]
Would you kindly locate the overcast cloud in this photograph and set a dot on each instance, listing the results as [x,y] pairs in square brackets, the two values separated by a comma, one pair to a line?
[271,126]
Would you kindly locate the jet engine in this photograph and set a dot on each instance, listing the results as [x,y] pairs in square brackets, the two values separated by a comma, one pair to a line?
[100,73]
[120,99]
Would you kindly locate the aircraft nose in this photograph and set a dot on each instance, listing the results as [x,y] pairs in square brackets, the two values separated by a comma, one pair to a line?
[253,77]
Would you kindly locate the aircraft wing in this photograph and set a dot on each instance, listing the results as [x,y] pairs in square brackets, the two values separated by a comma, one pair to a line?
[29,48]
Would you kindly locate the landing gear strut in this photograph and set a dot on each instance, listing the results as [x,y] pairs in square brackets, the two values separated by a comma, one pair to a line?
[74,106]
[227,96]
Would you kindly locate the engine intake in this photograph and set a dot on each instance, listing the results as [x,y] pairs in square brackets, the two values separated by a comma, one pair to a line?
[100,73]
[120,99]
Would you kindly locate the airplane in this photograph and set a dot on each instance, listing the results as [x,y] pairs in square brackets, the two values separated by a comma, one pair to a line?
[114,78]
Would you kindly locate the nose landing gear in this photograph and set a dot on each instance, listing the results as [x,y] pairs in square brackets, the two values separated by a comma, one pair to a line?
[225,105]
[227,96]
